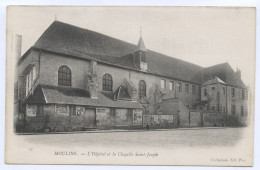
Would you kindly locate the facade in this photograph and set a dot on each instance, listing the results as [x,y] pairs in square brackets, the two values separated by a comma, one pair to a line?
[77,79]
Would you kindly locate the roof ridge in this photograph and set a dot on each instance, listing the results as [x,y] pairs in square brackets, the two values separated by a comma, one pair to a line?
[94,32]
[116,40]
[165,55]
[216,65]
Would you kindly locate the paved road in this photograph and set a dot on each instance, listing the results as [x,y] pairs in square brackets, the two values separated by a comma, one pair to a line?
[162,139]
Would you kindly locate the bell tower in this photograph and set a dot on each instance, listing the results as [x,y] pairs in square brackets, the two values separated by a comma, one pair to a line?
[141,54]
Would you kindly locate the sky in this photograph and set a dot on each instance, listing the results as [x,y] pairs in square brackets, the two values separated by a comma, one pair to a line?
[201,35]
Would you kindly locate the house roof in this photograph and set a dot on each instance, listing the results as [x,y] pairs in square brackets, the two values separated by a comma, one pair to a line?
[67,39]
[225,73]
[47,94]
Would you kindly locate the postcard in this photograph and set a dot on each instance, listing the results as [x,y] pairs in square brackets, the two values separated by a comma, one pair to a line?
[130,85]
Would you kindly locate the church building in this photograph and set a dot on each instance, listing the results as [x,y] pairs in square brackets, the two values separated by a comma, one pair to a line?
[75,79]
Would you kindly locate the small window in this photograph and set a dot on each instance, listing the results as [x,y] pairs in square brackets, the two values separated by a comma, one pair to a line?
[224,90]
[213,108]
[163,84]
[64,76]
[171,85]
[213,89]
[193,89]
[180,87]
[107,82]
[187,88]
[205,92]
[142,89]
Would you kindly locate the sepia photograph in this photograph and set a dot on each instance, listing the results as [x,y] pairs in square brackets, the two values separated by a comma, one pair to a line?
[130,85]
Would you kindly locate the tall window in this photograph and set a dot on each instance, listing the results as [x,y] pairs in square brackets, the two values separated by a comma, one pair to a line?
[163,84]
[199,91]
[205,92]
[242,110]
[224,90]
[243,94]
[180,87]
[193,89]
[64,76]
[233,92]
[233,109]
[187,88]
[171,85]
[142,89]
[107,82]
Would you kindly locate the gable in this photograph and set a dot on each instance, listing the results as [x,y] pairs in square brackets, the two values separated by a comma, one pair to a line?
[225,73]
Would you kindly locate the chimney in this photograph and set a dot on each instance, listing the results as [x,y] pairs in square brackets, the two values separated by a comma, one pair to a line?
[238,73]
[17,46]
[92,85]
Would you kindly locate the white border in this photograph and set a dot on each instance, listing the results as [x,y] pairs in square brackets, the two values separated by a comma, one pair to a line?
[4,3]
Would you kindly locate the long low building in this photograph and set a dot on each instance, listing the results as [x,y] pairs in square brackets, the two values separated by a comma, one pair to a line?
[77,79]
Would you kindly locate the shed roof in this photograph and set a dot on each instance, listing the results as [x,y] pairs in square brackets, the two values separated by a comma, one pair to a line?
[47,94]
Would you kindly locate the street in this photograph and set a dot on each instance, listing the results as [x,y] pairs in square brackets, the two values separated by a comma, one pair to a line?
[171,138]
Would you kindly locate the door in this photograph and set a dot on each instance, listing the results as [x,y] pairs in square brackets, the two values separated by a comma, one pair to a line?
[90,117]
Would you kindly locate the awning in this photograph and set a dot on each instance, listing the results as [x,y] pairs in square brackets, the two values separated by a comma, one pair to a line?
[73,96]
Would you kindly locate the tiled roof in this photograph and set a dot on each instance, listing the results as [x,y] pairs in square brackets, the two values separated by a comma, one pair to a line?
[67,39]
[225,73]
[74,96]
[74,41]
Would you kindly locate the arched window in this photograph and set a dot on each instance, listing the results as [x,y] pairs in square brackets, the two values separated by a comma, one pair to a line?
[107,82]
[142,88]
[64,76]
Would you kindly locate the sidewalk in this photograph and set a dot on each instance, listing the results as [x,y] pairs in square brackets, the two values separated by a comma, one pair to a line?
[123,130]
